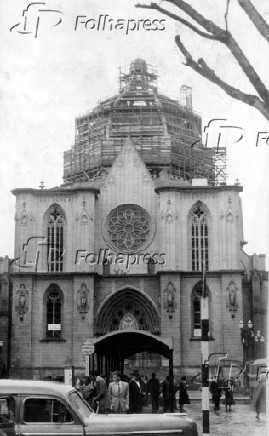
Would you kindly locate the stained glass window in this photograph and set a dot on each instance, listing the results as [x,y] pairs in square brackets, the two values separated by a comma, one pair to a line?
[55,240]
[128,228]
[199,235]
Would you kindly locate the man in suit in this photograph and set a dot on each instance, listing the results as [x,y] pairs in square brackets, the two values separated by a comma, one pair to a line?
[137,393]
[118,392]
[153,387]
[101,396]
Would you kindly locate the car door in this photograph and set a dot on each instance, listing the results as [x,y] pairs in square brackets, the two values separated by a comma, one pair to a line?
[45,415]
[7,416]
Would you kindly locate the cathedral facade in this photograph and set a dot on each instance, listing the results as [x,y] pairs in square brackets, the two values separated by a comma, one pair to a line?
[114,256]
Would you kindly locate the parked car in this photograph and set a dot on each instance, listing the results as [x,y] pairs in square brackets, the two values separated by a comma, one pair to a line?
[52,408]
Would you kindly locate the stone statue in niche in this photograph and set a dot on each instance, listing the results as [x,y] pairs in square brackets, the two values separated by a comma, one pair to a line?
[231,300]
[22,303]
[169,299]
[83,300]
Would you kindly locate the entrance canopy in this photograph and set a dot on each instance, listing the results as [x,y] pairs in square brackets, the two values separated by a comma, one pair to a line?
[124,343]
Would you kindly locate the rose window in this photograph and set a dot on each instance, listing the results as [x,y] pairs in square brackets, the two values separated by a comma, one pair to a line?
[128,228]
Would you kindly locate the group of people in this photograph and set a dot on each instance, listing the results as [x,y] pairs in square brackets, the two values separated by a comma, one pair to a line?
[121,396]
[118,397]
[217,387]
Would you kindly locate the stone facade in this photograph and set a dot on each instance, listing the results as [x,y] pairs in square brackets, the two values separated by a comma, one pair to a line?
[87,287]
[115,254]
[4,315]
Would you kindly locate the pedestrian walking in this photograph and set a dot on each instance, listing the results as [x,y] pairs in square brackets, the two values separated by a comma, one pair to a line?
[137,393]
[215,389]
[118,392]
[153,387]
[183,394]
[259,398]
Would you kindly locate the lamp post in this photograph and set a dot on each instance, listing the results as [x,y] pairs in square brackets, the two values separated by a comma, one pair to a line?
[259,339]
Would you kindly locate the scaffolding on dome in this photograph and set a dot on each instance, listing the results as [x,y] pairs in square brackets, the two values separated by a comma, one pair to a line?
[165,133]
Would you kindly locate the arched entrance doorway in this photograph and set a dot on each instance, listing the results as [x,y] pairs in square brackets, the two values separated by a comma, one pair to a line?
[127,324]
[128,308]
[134,310]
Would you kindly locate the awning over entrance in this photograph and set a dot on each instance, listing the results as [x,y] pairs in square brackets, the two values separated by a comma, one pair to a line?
[124,343]
[112,349]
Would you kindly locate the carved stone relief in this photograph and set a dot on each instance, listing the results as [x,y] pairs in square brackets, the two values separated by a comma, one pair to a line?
[232,298]
[170,214]
[83,303]
[22,301]
[170,299]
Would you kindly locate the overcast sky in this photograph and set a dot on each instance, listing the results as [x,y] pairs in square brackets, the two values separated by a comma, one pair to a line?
[49,79]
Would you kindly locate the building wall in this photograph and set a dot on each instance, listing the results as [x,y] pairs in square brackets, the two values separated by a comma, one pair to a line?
[85,212]
[4,315]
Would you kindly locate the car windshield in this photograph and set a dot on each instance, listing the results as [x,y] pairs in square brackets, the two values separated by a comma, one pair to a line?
[79,405]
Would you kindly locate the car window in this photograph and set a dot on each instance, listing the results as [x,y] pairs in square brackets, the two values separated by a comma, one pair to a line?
[7,409]
[79,405]
[45,410]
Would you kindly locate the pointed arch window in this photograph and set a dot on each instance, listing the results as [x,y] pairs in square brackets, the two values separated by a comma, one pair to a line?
[199,235]
[54,313]
[55,232]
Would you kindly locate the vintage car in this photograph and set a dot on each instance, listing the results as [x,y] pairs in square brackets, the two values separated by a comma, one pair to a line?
[52,408]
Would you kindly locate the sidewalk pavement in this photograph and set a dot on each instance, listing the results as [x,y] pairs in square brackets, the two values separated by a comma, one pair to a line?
[239,422]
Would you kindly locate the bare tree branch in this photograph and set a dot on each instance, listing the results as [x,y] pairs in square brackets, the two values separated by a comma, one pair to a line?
[258,21]
[208,25]
[247,68]
[204,70]
[177,18]
[227,13]
[226,38]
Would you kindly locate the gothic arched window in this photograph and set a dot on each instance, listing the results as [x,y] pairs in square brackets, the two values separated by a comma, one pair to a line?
[199,238]
[54,313]
[55,239]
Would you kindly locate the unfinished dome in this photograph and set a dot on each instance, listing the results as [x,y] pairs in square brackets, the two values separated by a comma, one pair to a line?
[138,66]
[165,132]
